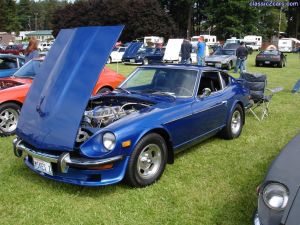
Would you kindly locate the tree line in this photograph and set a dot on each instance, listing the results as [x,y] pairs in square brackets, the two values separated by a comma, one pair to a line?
[167,18]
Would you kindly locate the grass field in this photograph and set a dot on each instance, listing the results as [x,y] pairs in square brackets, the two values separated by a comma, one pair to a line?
[212,183]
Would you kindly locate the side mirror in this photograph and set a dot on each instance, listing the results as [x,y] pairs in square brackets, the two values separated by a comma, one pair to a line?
[205,92]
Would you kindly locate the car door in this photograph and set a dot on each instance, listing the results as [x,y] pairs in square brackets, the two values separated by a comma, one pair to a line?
[209,111]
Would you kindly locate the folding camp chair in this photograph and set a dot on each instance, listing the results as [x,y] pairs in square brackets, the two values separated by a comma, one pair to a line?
[260,95]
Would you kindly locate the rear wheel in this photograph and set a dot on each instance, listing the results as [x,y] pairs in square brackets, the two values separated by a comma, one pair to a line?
[9,116]
[147,161]
[234,124]
[280,65]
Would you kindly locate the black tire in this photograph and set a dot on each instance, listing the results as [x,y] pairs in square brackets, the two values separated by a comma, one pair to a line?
[229,65]
[256,64]
[109,60]
[9,116]
[140,161]
[103,90]
[145,61]
[234,124]
[280,65]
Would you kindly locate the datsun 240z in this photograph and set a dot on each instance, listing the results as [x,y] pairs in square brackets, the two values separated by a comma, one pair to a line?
[130,133]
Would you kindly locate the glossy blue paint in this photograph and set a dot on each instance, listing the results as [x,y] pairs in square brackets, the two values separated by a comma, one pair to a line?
[131,51]
[51,115]
[60,92]
[9,64]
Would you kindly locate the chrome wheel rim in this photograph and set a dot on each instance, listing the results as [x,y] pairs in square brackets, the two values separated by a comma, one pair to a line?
[149,161]
[9,120]
[236,122]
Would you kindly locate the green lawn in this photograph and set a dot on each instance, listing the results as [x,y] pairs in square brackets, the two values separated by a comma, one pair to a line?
[212,183]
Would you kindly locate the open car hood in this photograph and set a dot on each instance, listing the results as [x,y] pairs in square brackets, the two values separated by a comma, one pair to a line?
[59,94]
[132,49]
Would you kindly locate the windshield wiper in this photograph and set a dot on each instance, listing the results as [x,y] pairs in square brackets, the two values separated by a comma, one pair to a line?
[122,90]
[169,94]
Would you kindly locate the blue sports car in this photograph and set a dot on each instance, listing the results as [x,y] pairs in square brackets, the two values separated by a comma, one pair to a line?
[9,64]
[130,133]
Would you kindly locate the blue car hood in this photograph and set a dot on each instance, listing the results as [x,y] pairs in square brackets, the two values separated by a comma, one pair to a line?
[132,49]
[59,94]
[7,73]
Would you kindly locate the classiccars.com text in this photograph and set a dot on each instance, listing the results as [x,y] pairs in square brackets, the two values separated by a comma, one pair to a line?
[273,3]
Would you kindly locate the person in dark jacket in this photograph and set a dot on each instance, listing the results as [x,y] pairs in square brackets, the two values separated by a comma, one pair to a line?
[186,49]
[241,54]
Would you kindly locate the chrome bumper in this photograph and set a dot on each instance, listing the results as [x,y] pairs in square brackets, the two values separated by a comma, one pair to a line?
[64,160]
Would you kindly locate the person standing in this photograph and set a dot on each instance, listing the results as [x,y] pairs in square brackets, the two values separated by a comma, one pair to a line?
[186,49]
[241,54]
[201,49]
[32,50]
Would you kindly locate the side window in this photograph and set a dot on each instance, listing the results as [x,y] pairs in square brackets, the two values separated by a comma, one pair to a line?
[21,62]
[225,79]
[209,80]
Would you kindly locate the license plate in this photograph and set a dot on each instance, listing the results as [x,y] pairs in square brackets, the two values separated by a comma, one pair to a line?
[132,60]
[42,166]
[210,64]
[218,65]
[267,62]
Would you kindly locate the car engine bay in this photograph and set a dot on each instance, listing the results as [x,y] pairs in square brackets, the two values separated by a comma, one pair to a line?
[106,110]
[4,84]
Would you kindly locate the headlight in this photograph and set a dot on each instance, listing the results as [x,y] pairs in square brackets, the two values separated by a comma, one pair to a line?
[276,196]
[109,141]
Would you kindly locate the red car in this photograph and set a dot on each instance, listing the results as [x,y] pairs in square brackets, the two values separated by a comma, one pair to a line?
[13,91]
[14,49]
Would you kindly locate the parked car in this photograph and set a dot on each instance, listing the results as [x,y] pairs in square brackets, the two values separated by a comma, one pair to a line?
[131,51]
[270,58]
[133,131]
[279,194]
[44,46]
[129,133]
[10,64]
[13,91]
[116,55]
[14,49]
[222,58]
[236,45]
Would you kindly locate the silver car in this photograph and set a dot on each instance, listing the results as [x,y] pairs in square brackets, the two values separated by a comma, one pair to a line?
[222,58]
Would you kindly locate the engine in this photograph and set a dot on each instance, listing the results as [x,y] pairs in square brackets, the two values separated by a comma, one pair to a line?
[105,113]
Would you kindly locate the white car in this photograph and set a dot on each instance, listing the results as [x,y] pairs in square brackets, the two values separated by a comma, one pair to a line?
[44,47]
[116,55]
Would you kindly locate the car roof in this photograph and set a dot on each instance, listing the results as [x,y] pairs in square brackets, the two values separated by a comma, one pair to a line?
[182,66]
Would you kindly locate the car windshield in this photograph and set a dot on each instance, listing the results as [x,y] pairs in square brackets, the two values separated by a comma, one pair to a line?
[270,52]
[162,81]
[29,69]
[8,63]
[224,52]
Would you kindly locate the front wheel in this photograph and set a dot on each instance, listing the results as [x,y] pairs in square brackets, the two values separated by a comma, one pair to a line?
[9,116]
[147,161]
[234,124]
[145,61]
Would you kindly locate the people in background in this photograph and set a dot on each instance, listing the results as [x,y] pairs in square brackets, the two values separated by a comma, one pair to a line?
[186,49]
[201,50]
[241,54]
[32,50]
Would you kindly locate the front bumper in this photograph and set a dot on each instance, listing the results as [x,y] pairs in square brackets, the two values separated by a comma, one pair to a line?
[256,220]
[74,170]
[216,64]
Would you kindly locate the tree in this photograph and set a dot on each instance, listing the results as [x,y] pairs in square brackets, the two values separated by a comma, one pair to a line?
[140,17]
[24,9]
[11,19]
[2,15]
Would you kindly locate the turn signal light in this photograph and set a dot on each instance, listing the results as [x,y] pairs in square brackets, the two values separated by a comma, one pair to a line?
[126,144]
